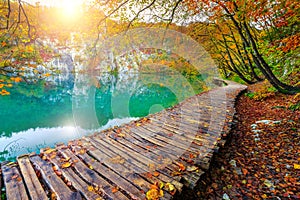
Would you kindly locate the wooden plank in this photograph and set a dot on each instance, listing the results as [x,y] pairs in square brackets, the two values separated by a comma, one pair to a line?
[131,156]
[125,166]
[33,184]
[119,166]
[170,148]
[161,157]
[132,190]
[171,151]
[186,175]
[55,183]
[86,190]
[179,130]
[174,139]
[172,162]
[90,175]
[14,185]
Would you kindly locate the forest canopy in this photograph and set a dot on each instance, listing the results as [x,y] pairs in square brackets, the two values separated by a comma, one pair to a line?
[249,40]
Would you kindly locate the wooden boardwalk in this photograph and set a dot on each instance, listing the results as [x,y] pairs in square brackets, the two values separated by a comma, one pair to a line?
[152,157]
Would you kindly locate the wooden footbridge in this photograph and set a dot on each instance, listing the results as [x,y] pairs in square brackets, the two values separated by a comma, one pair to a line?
[152,158]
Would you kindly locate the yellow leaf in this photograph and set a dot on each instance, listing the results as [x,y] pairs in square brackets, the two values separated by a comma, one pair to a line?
[4,92]
[170,187]
[66,165]
[161,193]
[138,124]
[152,194]
[91,167]
[48,151]
[161,185]
[90,188]
[1,85]
[296,166]
[121,135]
[29,49]
[191,168]
[82,151]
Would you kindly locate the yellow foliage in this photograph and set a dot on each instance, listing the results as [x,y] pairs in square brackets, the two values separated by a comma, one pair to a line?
[16,79]
[4,92]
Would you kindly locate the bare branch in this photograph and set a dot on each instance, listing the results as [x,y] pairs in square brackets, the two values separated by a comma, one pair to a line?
[173,12]
[140,11]
[27,20]
[106,17]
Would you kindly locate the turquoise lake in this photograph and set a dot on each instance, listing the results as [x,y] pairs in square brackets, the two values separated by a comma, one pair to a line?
[41,112]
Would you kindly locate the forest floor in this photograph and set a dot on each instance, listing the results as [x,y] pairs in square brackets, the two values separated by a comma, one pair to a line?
[261,159]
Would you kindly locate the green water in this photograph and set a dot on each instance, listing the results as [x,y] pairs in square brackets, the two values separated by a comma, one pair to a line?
[40,113]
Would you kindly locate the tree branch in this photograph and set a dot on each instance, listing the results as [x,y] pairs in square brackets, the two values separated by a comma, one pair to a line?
[140,11]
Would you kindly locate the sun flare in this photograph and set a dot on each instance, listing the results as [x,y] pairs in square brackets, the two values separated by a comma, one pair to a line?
[70,8]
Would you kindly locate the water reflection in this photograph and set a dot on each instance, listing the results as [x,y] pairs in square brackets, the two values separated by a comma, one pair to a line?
[59,108]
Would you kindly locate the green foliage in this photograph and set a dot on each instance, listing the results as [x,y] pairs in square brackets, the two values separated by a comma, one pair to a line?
[250,95]
[295,106]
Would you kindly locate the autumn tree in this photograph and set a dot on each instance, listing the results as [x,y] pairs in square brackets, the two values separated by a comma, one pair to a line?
[244,19]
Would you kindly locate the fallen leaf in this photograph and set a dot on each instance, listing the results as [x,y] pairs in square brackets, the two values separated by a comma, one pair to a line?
[152,194]
[156,173]
[48,151]
[296,166]
[245,171]
[161,185]
[181,167]
[90,188]
[214,185]
[191,168]
[66,165]
[114,189]
[170,187]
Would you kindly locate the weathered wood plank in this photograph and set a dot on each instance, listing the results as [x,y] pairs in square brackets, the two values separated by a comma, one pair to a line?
[118,165]
[90,175]
[126,166]
[133,157]
[33,184]
[15,187]
[87,191]
[55,183]
[163,160]
[174,163]
[121,182]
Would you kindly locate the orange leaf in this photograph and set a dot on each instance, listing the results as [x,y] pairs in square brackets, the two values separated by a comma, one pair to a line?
[156,174]
[148,175]
[245,171]
[181,167]
[114,189]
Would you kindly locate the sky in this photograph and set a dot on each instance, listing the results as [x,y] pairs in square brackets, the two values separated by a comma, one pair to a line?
[59,3]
